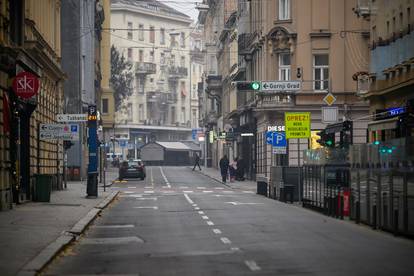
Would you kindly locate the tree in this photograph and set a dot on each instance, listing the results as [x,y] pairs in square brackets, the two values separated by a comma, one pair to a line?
[121,77]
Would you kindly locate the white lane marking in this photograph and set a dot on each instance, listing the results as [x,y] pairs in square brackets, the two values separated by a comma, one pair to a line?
[225,240]
[204,217]
[149,192]
[128,192]
[148,198]
[248,192]
[207,191]
[183,187]
[243,203]
[188,199]
[188,192]
[219,188]
[228,192]
[168,192]
[132,187]
[119,240]
[197,208]
[115,226]
[201,188]
[235,249]
[136,196]
[166,187]
[165,178]
[217,231]
[148,187]
[252,265]
[152,179]
[201,212]
[147,207]
[194,205]
[210,222]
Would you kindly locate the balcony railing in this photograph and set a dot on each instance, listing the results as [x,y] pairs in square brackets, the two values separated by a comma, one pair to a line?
[145,68]
[244,42]
[177,72]
[272,101]
[214,82]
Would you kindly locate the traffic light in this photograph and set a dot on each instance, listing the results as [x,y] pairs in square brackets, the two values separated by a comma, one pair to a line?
[327,139]
[249,86]
[67,144]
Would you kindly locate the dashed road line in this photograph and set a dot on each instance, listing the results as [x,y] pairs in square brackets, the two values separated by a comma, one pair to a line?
[147,207]
[207,191]
[188,192]
[165,178]
[252,265]
[210,222]
[201,188]
[132,187]
[219,188]
[235,249]
[201,212]
[114,226]
[248,192]
[183,187]
[205,217]
[194,205]
[217,231]
[148,192]
[148,198]
[225,240]
[188,199]
[197,208]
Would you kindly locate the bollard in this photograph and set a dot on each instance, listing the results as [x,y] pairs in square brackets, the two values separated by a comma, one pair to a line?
[341,211]
[374,217]
[396,222]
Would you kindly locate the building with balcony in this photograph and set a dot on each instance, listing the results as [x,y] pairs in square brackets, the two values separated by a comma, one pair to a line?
[389,83]
[155,38]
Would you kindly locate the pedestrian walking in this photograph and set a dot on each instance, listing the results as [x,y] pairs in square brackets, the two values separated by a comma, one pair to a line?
[224,167]
[233,169]
[196,161]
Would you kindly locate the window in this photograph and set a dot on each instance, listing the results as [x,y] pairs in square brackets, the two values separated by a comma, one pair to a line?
[162,36]
[182,40]
[141,56]
[130,54]
[162,58]
[321,72]
[105,108]
[183,115]
[172,41]
[284,9]
[129,111]
[141,32]
[182,61]
[172,60]
[151,56]
[194,117]
[173,115]
[284,66]
[152,35]
[129,33]
[198,44]
[140,85]
[194,91]
[182,89]
[141,112]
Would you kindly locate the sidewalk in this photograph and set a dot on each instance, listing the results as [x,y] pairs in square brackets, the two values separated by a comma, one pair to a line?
[32,233]
[246,185]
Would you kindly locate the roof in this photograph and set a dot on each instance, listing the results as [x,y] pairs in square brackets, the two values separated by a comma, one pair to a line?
[193,146]
[151,5]
[178,146]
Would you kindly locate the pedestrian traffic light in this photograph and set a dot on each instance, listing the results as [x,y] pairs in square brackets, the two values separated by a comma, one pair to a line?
[249,86]
[327,139]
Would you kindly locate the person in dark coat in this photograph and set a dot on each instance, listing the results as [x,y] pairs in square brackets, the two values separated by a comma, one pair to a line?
[224,167]
[197,161]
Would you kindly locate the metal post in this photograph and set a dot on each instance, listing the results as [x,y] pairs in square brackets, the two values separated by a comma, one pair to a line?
[205,149]
[65,159]
[104,178]
[299,186]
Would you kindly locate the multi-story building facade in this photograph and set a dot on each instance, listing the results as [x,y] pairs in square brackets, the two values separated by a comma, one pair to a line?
[320,43]
[389,83]
[156,40]
[196,72]
[30,41]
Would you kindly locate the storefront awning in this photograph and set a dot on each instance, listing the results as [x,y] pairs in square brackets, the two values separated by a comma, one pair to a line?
[383,124]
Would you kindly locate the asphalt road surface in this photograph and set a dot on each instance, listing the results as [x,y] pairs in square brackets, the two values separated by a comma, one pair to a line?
[178,222]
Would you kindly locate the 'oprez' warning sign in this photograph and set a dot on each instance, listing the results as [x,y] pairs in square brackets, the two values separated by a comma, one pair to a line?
[297,125]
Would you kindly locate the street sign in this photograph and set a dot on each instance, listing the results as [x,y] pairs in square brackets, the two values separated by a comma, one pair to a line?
[269,137]
[68,132]
[25,85]
[329,99]
[297,124]
[123,143]
[279,143]
[281,86]
[329,114]
[68,118]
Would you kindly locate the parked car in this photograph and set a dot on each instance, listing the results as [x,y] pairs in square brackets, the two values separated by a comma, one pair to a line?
[132,169]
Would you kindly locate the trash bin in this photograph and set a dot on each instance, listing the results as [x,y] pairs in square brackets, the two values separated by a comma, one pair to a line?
[261,188]
[43,187]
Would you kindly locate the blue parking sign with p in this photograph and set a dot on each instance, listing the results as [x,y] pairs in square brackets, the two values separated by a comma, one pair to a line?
[279,139]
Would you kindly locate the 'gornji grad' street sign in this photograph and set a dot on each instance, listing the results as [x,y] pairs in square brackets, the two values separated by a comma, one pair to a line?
[297,125]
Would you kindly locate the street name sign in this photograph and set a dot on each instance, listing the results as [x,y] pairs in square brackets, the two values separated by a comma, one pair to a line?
[281,86]
[68,132]
[297,125]
[69,118]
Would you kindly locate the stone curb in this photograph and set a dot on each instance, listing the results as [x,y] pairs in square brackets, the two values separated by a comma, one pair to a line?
[45,256]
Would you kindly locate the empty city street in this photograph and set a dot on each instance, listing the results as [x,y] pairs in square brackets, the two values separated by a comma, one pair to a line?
[179,222]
